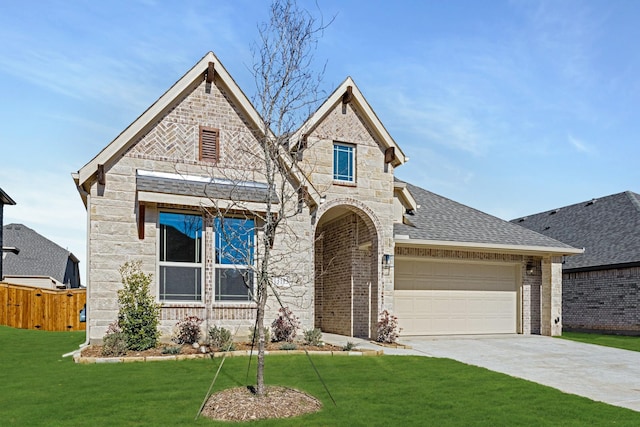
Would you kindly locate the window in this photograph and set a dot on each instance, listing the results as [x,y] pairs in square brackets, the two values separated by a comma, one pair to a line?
[234,243]
[343,162]
[209,144]
[180,258]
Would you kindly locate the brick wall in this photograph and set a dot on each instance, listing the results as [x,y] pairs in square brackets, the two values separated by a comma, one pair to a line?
[604,300]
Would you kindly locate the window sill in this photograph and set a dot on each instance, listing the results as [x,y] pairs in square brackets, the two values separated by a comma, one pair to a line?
[234,304]
[181,304]
[344,183]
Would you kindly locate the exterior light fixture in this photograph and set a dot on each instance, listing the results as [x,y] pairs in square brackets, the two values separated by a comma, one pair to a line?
[530,269]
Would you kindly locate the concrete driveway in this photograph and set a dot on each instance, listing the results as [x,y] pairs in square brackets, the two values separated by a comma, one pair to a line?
[600,373]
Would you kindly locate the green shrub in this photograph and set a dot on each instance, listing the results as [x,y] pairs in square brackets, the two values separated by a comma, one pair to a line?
[220,339]
[267,334]
[348,346]
[172,349]
[139,315]
[114,342]
[187,331]
[313,337]
[288,346]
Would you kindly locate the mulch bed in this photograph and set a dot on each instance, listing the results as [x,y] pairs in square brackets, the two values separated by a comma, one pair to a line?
[241,404]
[96,350]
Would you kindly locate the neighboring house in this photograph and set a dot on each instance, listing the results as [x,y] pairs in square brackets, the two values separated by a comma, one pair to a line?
[601,287]
[362,242]
[4,200]
[39,261]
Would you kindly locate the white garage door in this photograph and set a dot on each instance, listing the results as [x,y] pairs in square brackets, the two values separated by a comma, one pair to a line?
[443,298]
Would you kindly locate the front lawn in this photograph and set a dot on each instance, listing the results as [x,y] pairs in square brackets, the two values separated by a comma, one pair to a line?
[617,341]
[39,387]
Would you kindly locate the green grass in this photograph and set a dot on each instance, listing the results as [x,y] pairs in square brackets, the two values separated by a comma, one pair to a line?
[617,341]
[39,387]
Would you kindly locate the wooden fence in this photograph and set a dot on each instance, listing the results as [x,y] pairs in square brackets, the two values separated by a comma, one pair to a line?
[27,307]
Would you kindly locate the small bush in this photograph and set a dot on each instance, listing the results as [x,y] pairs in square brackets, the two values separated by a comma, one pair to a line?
[313,337]
[187,331]
[220,338]
[348,346]
[388,328]
[267,334]
[114,342]
[172,349]
[288,346]
[286,325]
[139,314]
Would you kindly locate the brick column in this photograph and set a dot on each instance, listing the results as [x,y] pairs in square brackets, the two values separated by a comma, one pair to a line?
[551,297]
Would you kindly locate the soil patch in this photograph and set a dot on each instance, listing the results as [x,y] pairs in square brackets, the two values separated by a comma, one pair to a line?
[241,404]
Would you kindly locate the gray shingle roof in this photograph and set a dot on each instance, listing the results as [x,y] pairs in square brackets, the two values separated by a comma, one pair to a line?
[608,228]
[185,187]
[38,255]
[439,218]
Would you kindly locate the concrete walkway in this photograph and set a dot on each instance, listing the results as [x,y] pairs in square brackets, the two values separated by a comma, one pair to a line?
[600,373]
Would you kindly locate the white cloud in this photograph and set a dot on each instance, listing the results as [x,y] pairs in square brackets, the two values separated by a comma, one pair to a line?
[580,145]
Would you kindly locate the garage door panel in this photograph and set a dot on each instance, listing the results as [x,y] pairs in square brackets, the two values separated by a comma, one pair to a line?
[436,298]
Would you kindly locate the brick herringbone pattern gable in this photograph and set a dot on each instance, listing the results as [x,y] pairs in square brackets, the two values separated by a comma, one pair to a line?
[169,140]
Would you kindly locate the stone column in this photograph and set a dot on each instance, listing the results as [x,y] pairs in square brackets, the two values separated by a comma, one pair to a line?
[551,297]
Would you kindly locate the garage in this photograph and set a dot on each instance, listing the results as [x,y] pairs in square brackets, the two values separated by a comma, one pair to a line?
[435,297]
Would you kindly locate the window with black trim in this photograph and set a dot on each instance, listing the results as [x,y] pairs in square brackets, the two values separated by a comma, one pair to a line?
[180,257]
[234,249]
[343,162]
[209,144]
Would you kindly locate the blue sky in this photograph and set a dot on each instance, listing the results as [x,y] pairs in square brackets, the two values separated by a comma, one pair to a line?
[511,107]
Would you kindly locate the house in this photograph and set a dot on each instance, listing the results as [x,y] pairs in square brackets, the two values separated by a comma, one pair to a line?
[361,242]
[601,286]
[4,200]
[37,261]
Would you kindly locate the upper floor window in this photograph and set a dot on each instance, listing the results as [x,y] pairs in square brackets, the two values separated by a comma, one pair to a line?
[209,144]
[234,245]
[343,161]
[180,257]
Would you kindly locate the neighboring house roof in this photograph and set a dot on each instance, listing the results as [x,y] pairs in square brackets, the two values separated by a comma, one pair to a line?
[369,115]
[38,255]
[608,228]
[441,222]
[5,199]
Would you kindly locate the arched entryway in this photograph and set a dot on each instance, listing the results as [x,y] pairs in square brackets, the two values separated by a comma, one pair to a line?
[346,272]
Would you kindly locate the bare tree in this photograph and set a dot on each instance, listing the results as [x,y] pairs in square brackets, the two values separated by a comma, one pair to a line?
[287,88]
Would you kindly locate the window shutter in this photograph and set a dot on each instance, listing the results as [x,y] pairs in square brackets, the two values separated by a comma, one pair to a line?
[209,144]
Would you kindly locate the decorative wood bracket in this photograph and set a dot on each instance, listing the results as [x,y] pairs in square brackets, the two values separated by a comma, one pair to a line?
[390,155]
[141,212]
[348,95]
[209,74]
[102,177]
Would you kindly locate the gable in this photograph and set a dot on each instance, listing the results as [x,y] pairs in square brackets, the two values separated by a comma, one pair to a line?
[163,119]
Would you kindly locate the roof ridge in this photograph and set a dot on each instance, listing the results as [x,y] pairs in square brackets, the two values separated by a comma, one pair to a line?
[634,200]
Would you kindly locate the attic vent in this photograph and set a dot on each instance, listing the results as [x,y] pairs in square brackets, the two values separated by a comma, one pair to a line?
[553,212]
[546,228]
[591,202]
[522,219]
[209,144]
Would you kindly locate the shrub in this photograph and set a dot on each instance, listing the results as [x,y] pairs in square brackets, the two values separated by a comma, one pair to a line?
[388,328]
[114,342]
[348,346]
[288,346]
[139,314]
[187,331]
[286,325]
[313,337]
[220,339]
[267,334]
[171,349]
